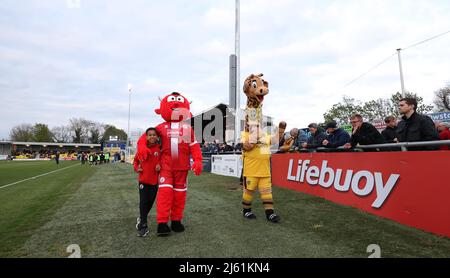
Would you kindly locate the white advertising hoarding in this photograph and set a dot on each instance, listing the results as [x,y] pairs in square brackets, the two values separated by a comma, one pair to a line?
[226,165]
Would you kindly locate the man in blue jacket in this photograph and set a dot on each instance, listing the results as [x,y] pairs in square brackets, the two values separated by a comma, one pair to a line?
[337,137]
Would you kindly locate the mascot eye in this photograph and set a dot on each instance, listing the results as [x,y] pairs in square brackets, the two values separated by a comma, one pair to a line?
[254,84]
[180,99]
[171,98]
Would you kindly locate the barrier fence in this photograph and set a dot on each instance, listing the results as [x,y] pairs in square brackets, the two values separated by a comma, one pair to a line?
[408,187]
[411,188]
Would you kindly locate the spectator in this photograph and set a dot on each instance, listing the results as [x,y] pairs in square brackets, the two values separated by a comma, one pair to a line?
[57,157]
[205,147]
[337,137]
[390,132]
[301,138]
[317,137]
[444,133]
[238,147]
[228,148]
[289,140]
[297,137]
[415,127]
[281,129]
[214,148]
[363,133]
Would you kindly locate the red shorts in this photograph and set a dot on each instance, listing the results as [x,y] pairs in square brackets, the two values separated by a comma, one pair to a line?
[174,179]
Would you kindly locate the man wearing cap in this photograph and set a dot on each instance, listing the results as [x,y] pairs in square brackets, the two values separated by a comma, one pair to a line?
[337,137]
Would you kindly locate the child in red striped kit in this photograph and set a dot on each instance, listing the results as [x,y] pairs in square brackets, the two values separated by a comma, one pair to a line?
[148,167]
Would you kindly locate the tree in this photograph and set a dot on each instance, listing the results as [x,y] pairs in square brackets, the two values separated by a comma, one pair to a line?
[373,109]
[41,133]
[442,99]
[96,131]
[377,109]
[62,134]
[111,130]
[80,128]
[422,108]
[341,112]
[22,133]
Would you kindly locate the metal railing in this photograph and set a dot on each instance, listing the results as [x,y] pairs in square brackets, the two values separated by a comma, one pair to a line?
[403,146]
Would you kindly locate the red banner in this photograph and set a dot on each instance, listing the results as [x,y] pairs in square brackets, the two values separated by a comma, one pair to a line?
[412,188]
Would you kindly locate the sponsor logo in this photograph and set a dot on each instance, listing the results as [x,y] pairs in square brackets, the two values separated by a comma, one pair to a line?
[141,186]
[155,154]
[162,179]
[361,183]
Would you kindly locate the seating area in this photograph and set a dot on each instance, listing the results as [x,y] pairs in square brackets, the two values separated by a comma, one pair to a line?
[44,154]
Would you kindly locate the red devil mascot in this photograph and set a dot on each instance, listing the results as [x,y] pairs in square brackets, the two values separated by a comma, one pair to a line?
[178,145]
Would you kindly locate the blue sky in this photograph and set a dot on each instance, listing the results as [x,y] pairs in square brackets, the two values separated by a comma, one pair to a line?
[60,60]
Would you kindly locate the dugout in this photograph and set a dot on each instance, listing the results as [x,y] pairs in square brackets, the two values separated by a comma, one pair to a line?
[37,147]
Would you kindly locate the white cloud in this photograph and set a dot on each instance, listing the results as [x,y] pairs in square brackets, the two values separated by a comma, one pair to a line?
[78,62]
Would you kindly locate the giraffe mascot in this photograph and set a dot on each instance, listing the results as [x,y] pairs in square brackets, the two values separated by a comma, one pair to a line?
[256,150]
[178,144]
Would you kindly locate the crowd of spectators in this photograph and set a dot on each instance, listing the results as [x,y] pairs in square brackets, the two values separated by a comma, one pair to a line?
[218,148]
[41,154]
[412,127]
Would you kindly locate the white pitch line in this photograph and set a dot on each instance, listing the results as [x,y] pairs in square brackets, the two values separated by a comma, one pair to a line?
[32,178]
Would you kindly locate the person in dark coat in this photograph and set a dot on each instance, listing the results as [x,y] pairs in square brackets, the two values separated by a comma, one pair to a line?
[337,137]
[390,132]
[415,127]
[316,138]
[363,133]
[57,157]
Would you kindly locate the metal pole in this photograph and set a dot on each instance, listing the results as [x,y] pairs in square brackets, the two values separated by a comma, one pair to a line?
[237,123]
[128,133]
[401,72]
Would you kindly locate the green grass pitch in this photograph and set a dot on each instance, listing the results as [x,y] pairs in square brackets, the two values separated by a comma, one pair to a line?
[96,207]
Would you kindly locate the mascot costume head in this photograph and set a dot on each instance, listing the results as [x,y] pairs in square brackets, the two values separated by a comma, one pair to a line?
[255,88]
[174,108]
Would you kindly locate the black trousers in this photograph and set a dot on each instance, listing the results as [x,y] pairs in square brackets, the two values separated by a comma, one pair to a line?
[147,196]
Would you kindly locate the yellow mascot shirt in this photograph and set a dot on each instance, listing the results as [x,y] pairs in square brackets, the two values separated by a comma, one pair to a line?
[257,160]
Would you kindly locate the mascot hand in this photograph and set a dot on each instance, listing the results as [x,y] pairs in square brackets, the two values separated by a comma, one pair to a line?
[197,167]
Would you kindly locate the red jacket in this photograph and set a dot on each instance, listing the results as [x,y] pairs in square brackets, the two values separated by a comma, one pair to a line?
[149,175]
[444,135]
[178,144]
